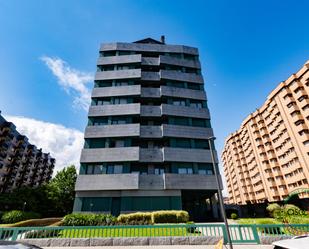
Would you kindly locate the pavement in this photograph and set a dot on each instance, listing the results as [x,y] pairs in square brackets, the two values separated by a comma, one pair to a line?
[246,246]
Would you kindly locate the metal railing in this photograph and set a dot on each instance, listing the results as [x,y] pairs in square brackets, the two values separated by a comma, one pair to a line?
[239,233]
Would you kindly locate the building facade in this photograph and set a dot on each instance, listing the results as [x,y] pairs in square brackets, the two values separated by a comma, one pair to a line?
[268,157]
[146,143]
[21,163]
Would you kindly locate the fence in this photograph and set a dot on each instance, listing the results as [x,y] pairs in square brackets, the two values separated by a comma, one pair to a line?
[239,233]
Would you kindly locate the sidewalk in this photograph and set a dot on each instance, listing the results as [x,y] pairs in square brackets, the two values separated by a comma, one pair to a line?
[170,247]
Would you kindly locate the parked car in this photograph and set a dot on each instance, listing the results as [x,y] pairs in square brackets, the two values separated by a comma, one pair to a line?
[16,245]
[298,242]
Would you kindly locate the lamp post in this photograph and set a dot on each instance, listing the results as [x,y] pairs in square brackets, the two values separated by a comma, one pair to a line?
[210,140]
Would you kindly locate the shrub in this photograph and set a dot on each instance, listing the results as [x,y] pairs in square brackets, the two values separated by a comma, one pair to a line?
[42,234]
[135,219]
[84,219]
[17,215]
[191,227]
[272,209]
[170,216]
[234,216]
[36,222]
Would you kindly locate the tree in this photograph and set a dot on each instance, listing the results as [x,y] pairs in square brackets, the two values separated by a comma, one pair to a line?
[61,190]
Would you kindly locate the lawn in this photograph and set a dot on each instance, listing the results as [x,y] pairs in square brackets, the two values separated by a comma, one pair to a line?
[262,221]
[125,232]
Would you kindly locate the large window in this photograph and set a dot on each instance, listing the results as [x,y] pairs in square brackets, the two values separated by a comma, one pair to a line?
[185,170]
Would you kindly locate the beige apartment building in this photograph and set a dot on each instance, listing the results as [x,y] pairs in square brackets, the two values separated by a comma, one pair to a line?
[268,157]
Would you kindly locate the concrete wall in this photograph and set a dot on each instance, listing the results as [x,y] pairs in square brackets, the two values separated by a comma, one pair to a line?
[123,59]
[110,155]
[119,74]
[187,155]
[107,182]
[113,110]
[134,90]
[121,130]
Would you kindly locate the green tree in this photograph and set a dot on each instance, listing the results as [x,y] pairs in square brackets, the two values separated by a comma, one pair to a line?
[61,190]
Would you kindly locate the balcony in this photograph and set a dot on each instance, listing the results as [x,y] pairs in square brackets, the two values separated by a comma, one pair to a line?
[150,111]
[187,155]
[151,182]
[134,90]
[187,182]
[113,110]
[150,76]
[150,61]
[174,110]
[179,62]
[123,59]
[182,93]
[186,131]
[107,182]
[151,131]
[180,76]
[119,74]
[110,155]
[120,130]
[150,92]
[151,155]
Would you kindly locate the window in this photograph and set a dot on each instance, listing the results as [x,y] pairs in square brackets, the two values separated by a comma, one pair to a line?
[201,144]
[121,83]
[185,171]
[99,169]
[181,143]
[159,171]
[178,121]
[306,143]
[300,99]
[179,102]
[117,169]
[201,122]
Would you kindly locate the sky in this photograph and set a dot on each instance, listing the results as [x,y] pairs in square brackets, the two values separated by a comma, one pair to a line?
[48,53]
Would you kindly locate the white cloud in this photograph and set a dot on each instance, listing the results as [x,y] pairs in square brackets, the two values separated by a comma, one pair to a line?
[72,80]
[64,144]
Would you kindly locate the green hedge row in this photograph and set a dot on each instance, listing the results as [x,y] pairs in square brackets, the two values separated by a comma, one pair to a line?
[164,216]
[17,215]
[139,218]
[84,219]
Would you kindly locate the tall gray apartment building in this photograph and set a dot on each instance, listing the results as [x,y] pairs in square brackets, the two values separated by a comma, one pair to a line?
[146,144]
[21,163]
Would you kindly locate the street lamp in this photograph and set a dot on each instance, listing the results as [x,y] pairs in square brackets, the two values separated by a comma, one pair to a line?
[210,140]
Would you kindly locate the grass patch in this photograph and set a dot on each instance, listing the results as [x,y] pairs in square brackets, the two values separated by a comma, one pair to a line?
[125,232]
[261,221]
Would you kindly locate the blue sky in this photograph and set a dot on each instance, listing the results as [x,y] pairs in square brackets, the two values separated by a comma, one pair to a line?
[246,49]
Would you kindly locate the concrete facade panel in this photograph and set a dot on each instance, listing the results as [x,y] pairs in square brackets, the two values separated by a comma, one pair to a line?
[110,155]
[187,155]
[183,111]
[118,74]
[114,110]
[134,90]
[106,182]
[201,182]
[123,59]
[122,130]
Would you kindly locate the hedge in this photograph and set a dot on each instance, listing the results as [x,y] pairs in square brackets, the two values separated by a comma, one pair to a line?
[15,216]
[164,216]
[135,219]
[170,216]
[86,219]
